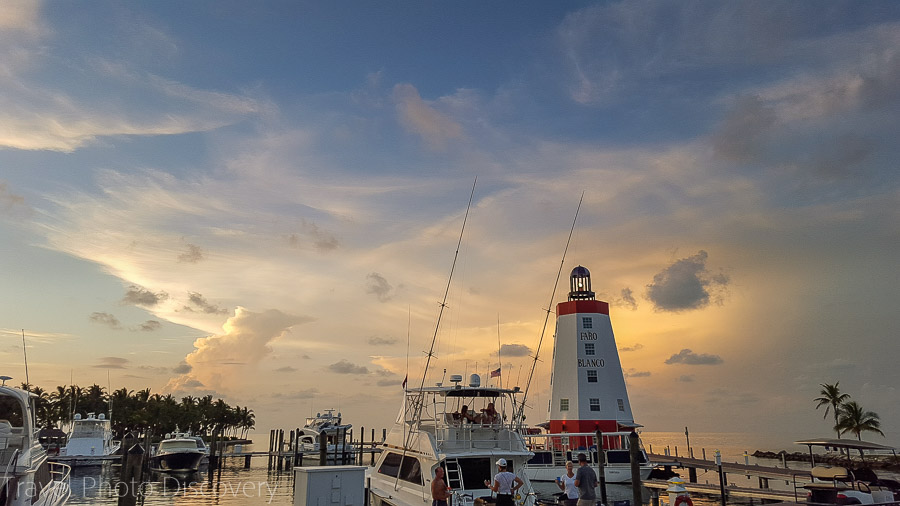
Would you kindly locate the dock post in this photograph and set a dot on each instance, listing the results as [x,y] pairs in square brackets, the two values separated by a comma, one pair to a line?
[362,437]
[130,483]
[246,461]
[323,449]
[278,450]
[654,497]
[721,477]
[704,453]
[687,437]
[373,447]
[601,463]
[692,474]
[634,453]
[271,445]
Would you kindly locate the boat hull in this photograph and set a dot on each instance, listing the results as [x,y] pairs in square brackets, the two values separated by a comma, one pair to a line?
[176,462]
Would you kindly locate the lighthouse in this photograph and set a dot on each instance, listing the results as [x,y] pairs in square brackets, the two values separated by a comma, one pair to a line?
[587,384]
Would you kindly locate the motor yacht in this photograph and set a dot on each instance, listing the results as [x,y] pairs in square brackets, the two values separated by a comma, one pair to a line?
[463,428]
[29,478]
[179,453]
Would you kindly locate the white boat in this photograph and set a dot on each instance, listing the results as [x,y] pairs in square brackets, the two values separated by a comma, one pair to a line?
[431,432]
[90,441]
[587,392]
[28,477]
[338,447]
[179,453]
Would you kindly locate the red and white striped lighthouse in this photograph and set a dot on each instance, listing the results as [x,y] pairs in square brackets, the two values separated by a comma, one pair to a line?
[587,384]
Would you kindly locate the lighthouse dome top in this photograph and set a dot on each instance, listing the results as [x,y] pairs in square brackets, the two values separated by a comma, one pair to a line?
[580,284]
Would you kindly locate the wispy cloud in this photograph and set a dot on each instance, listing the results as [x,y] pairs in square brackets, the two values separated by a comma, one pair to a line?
[422,119]
[105,319]
[688,357]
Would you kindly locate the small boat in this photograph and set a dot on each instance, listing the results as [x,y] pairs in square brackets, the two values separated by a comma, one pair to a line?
[179,453]
[437,427]
[90,440]
[29,478]
[337,448]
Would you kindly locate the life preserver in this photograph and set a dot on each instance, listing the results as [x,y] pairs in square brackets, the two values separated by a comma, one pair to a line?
[684,499]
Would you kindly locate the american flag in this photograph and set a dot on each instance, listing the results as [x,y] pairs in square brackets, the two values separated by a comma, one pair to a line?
[495,373]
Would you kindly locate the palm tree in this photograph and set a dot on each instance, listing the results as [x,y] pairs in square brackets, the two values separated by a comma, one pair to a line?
[853,418]
[832,399]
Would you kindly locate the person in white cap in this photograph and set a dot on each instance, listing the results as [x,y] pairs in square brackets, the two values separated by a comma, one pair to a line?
[505,484]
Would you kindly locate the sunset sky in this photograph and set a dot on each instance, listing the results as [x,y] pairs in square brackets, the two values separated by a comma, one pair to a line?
[262,200]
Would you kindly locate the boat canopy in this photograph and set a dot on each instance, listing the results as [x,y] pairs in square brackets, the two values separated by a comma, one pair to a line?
[844,443]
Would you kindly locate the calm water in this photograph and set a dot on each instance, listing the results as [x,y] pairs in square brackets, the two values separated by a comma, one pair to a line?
[239,486]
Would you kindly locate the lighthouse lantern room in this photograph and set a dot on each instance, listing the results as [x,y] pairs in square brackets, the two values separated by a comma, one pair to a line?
[587,387]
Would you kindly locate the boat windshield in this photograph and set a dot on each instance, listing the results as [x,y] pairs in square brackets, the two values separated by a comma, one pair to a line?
[90,428]
[177,445]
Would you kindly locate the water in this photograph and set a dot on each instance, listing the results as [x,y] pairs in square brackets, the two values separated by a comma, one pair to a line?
[257,485]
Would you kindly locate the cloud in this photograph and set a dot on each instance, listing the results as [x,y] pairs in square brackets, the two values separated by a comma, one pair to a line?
[685,285]
[218,360]
[310,232]
[182,368]
[112,363]
[205,307]
[286,368]
[744,132]
[345,367]
[387,382]
[149,326]
[378,286]
[685,378]
[634,347]
[105,319]
[9,200]
[515,350]
[419,118]
[631,373]
[688,357]
[309,393]
[627,299]
[382,341]
[192,255]
[138,296]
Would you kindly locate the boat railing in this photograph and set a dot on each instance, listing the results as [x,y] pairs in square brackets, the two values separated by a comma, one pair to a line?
[59,473]
[480,438]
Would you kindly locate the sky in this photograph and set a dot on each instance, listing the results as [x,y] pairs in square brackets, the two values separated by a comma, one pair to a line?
[262,200]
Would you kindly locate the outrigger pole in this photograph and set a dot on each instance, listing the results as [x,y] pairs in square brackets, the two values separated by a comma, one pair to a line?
[521,414]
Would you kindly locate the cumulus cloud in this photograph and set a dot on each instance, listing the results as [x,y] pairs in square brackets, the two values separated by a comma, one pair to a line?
[182,368]
[382,341]
[193,254]
[685,285]
[218,359]
[149,326]
[378,286]
[138,296]
[112,363]
[422,119]
[346,367]
[515,350]
[688,357]
[634,347]
[105,319]
[199,301]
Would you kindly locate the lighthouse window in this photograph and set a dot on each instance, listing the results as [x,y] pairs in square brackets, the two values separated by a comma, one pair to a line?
[587,322]
[621,405]
[595,404]
[588,348]
[564,404]
[592,376]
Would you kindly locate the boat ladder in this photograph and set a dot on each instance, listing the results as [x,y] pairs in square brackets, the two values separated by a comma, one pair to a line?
[454,477]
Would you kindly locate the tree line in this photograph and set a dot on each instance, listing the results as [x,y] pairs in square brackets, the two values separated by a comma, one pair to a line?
[848,415]
[141,412]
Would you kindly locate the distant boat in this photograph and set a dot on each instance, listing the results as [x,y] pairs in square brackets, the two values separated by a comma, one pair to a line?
[90,440]
[179,453]
[28,477]
[329,424]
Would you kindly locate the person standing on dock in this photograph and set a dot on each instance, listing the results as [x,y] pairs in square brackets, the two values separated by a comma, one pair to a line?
[566,483]
[439,491]
[586,482]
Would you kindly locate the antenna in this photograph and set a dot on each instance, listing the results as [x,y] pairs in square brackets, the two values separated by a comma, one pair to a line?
[25,352]
[549,310]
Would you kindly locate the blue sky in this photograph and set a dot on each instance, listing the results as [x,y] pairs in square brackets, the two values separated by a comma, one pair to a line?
[261,200]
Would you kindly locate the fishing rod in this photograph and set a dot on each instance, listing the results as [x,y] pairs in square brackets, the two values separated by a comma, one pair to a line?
[521,413]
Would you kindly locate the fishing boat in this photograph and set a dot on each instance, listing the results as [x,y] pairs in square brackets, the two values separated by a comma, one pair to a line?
[464,429]
[29,478]
[587,393]
[90,440]
[179,453]
[327,424]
